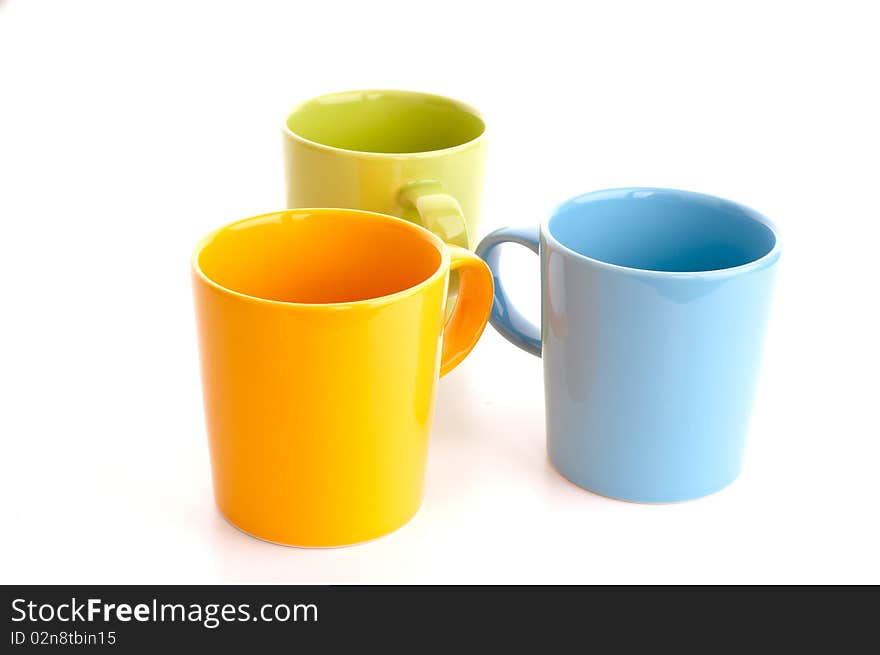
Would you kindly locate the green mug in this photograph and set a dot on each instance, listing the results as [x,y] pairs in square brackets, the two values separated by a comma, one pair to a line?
[413,155]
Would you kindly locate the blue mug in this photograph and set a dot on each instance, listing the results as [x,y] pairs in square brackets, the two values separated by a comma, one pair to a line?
[654,306]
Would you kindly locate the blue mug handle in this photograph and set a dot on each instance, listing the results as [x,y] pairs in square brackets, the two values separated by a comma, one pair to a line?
[505,318]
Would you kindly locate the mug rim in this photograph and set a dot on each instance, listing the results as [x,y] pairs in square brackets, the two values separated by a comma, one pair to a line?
[317,145]
[617,192]
[387,299]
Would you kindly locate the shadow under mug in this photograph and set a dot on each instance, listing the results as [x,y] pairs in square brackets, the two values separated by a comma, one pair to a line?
[654,305]
[413,155]
[322,333]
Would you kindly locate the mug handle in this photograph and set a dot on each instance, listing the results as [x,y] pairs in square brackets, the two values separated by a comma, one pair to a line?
[437,211]
[471,312]
[512,325]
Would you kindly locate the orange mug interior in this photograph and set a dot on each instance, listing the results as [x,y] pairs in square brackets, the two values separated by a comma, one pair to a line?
[319,256]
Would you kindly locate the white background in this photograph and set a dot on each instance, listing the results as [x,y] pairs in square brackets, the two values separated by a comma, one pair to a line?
[128,130]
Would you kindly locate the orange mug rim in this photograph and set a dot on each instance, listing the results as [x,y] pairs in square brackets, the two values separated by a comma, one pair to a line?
[417,230]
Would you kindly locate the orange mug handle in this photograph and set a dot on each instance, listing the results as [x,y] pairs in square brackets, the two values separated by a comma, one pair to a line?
[471,312]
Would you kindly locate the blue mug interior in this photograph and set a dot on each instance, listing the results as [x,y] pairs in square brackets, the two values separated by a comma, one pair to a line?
[662,230]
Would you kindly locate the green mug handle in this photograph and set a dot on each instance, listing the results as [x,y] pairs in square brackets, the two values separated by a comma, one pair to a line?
[425,203]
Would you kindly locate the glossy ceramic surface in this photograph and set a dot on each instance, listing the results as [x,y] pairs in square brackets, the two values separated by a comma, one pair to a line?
[322,335]
[413,155]
[654,304]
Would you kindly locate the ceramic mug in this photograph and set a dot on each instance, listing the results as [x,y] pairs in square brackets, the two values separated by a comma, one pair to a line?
[413,155]
[654,304]
[322,334]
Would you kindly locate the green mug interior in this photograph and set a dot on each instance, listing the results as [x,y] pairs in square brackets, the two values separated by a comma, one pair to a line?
[385,122]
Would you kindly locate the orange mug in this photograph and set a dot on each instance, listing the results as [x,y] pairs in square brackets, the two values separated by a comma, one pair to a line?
[322,334]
